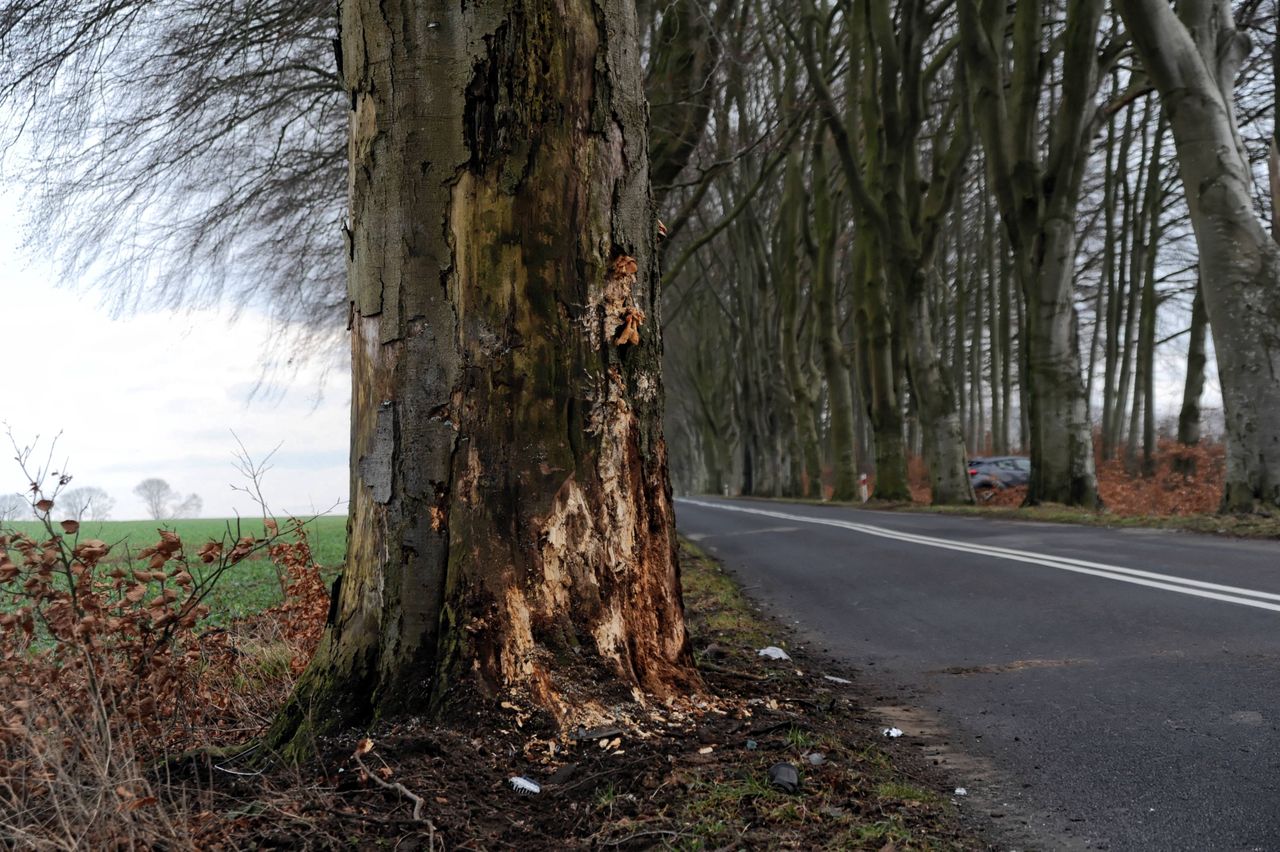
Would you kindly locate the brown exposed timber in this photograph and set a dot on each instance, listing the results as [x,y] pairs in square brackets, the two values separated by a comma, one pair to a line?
[511,527]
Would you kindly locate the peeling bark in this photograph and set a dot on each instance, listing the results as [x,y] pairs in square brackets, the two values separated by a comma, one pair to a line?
[511,528]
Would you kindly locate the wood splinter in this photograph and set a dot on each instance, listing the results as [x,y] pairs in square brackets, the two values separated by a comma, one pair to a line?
[631,322]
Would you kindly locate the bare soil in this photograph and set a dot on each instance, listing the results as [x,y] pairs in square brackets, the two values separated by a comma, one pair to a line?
[692,776]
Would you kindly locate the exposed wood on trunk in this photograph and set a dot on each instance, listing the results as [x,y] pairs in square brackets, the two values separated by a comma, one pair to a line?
[511,525]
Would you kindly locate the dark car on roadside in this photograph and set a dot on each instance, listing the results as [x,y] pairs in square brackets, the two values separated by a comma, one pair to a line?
[999,472]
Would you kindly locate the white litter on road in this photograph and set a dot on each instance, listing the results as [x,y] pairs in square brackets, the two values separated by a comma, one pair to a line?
[835,679]
[960,791]
[892,732]
[773,653]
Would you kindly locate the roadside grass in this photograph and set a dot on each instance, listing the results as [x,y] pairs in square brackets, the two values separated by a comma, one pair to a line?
[723,610]
[861,793]
[698,781]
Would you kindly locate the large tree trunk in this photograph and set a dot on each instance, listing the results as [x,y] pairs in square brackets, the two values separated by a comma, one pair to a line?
[1062,466]
[798,405]
[1189,415]
[843,439]
[1038,192]
[510,524]
[880,374]
[844,459]
[1193,62]
[940,420]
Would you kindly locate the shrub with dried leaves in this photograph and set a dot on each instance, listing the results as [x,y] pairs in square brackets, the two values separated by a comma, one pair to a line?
[106,667]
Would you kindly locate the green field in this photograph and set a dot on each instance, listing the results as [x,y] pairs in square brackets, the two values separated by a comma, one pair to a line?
[250,586]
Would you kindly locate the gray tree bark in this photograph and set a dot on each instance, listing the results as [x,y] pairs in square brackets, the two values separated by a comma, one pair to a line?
[1038,203]
[510,507]
[1192,57]
[1189,415]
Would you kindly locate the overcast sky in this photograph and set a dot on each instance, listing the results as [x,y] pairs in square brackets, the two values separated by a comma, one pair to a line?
[158,394]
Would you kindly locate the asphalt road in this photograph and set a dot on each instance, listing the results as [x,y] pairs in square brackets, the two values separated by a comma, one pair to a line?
[1109,709]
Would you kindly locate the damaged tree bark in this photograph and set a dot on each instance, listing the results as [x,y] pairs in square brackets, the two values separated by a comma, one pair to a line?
[511,528]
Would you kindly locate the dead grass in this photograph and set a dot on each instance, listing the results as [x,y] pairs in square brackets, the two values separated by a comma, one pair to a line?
[71,785]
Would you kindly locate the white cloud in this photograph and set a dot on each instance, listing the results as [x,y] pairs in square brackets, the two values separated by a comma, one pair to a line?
[159,394]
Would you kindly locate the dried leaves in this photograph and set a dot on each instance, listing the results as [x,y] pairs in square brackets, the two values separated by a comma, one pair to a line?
[1187,481]
[121,646]
[1169,491]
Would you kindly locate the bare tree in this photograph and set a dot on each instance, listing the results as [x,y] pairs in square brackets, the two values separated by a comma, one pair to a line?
[1036,178]
[190,152]
[156,495]
[500,288]
[1193,55]
[190,507]
[88,503]
[13,507]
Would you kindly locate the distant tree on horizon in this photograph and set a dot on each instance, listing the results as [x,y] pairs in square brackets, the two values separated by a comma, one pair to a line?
[12,507]
[89,503]
[163,503]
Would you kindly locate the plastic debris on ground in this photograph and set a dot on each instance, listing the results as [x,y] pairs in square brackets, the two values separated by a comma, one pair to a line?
[752,745]
[893,732]
[960,791]
[816,758]
[596,733]
[835,679]
[525,786]
[785,777]
[773,653]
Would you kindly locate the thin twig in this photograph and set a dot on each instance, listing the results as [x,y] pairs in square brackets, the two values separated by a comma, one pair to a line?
[712,667]
[395,786]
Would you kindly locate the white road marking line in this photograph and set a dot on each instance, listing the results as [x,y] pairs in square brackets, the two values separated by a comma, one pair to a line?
[758,531]
[1151,579]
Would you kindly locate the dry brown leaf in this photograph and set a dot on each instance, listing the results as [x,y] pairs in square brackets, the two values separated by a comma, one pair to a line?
[139,803]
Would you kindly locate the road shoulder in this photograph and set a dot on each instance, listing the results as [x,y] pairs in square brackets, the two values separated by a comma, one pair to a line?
[904,787]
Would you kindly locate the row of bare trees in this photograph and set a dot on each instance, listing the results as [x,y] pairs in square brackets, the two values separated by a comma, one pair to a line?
[959,228]
[90,503]
[892,228]
[886,225]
